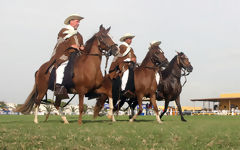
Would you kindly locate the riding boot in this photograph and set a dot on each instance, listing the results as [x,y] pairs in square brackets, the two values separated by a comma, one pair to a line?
[61,92]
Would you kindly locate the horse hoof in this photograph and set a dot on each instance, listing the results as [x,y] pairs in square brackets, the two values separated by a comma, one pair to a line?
[131,120]
[66,122]
[184,120]
[36,122]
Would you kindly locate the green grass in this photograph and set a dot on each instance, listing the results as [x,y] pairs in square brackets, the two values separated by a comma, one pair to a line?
[200,132]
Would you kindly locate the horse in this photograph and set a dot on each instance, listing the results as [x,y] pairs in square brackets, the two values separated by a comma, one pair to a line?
[169,88]
[87,74]
[144,82]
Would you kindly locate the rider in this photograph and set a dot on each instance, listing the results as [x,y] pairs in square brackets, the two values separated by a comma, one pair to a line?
[120,63]
[69,40]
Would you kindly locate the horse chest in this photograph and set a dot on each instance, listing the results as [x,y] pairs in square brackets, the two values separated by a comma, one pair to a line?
[172,89]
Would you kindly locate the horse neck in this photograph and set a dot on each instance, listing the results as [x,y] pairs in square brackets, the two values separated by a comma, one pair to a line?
[147,61]
[173,69]
[94,48]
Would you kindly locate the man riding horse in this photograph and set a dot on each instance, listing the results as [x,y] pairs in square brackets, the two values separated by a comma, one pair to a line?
[120,64]
[69,40]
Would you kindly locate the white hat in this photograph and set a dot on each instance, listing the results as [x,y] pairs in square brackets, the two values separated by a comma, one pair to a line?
[71,17]
[155,43]
[125,36]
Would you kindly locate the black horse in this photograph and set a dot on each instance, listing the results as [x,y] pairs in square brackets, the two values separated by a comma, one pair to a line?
[170,87]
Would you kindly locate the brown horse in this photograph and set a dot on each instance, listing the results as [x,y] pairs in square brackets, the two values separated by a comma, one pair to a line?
[144,81]
[87,73]
[170,88]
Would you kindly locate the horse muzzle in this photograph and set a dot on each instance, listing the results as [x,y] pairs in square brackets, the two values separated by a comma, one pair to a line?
[189,69]
[114,50]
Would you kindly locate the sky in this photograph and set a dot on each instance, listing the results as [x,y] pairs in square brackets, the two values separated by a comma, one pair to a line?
[208,32]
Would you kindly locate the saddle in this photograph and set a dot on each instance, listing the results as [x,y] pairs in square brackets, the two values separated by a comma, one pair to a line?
[68,74]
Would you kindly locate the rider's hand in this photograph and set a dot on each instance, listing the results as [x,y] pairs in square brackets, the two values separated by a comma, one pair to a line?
[82,47]
[75,46]
[133,59]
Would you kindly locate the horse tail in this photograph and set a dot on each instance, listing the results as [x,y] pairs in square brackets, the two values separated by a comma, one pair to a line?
[99,105]
[26,108]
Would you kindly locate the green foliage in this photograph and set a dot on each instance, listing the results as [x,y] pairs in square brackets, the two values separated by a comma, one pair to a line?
[3,104]
[200,132]
[49,108]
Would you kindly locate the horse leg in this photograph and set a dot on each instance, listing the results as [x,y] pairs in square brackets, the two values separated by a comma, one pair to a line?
[177,101]
[153,100]
[139,96]
[36,114]
[81,96]
[133,106]
[47,116]
[99,104]
[165,108]
[60,110]
[110,112]
[37,103]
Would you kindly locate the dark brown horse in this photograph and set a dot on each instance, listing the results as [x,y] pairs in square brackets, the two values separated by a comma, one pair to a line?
[87,73]
[170,87]
[144,80]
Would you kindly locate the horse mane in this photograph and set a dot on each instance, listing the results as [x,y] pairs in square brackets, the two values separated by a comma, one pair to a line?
[170,66]
[147,57]
[89,43]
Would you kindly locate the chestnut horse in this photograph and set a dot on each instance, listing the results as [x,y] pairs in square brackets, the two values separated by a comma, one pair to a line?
[170,86]
[87,73]
[144,81]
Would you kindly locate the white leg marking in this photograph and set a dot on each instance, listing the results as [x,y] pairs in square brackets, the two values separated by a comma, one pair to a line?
[63,116]
[158,118]
[110,112]
[36,115]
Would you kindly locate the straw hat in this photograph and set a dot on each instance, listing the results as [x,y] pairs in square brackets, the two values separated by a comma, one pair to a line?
[125,36]
[155,43]
[71,17]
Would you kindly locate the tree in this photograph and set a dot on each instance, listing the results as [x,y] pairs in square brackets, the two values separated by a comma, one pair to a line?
[2,104]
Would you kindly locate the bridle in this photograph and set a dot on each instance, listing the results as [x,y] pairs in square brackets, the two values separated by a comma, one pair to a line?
[107,52]
[154,59]
[182,70]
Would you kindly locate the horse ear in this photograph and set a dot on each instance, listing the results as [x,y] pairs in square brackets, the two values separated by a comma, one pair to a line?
[101,27]
[108,30]
[177,52]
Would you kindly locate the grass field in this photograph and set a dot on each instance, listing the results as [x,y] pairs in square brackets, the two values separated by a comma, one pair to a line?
[200,132]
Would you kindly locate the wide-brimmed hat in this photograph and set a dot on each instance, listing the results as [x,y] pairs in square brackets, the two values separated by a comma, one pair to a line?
[155,43]
[72,17]
[125,36]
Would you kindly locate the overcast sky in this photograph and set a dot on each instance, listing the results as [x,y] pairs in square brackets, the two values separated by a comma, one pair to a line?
[208,32]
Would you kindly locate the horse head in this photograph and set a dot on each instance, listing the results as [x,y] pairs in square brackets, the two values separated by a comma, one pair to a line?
[157,56]
[184,62]
[105,41]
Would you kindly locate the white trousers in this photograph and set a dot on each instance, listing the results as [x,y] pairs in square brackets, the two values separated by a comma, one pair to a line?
[60,72]
[124,79]
[157,78]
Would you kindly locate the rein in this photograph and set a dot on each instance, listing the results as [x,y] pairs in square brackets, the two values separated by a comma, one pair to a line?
[184,75]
